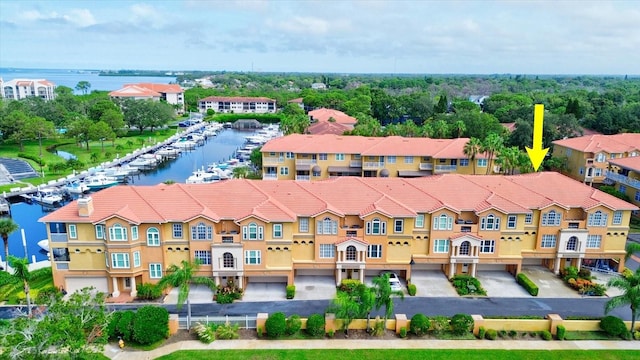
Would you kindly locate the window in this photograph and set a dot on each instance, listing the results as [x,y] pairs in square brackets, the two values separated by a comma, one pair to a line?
[201,232]
[551,218]
[465,248]
[597,218]
[177,231]
[420,221]
[391,159]
[136,259]
[374,251]
[284,170]
[227,260]
[327,251]
[134,233]
[376,227]
[594,241]
[203,257]
[153,237]
[568,152]
[408,159]
[637,197]
[120,260]
[622,189]
[464,162]
[600,157]
[303,224]
[617,217]
[612,156]
[327,227]
[289,155]
[322,157]
[117,233]
[512,221]
[73,231]
[339,157]
[487,246]
[528,218]
[548,241]
[252,257]
[252,232]
[490,222]
[441,246]
[398,225]
[442,222]
[155,271]
[581,171]
[482,162]
[351,254]
[598,172]
[572,244]
[99,231]
[277,230]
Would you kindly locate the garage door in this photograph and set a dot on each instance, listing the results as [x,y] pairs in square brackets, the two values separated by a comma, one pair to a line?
[267,279]
[315,272]
[426,267]
[75,284]
[492,267]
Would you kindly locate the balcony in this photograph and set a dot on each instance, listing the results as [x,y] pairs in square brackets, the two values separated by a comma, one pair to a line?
[574,224]
[270,160]
[446,168]
[58,237]
[625,180]
[230,264]
[426,166]
[465,228]
[303,162]
[351,231]
[269,176]
[372,165]
[303,177]
[589,162]
[355,163]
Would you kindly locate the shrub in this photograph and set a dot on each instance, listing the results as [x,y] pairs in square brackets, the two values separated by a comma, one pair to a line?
[225,294]
[513,333]
[349,285]
[291,291]
[124,326]
[6,278]
[315,325]
[403,332]
[149,292]
[491,334]
[467,285]
[546,335]
[636,335]
[276,325]
[502,333]
[378,327]
[150,325]
[205,333]
[227,331]
[527,284]
[584,273]
[440,324]
[330,333]
[113,325]
[419,324]
[47,294]
[260,331]
[294,324]
[613,326]
[461,324]
[481,332]
[560,332]
[412,289]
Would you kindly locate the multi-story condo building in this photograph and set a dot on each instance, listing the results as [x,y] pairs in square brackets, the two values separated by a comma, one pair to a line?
[272,231]
[17,89]
[624,174]
[318,157]
[588,156]
[237,104]
[171,93]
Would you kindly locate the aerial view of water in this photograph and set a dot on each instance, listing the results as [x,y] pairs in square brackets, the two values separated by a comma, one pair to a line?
[216,149]
[70,78]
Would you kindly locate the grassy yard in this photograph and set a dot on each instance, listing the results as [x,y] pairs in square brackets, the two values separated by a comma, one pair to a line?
[589,335]
[400,354]
[11,289]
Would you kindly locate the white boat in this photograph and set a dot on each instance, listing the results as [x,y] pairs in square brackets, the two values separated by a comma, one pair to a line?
[100,181]
[44,244]
[170,152]
[76,187]
[201,176]
[48,196]
[145,161]
[185,144]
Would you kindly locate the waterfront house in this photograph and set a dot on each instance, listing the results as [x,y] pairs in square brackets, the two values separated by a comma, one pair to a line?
[348,227]
[624,174]
[237,104]
[17,89]
[171,93]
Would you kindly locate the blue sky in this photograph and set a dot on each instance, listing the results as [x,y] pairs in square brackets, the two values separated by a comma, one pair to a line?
[385,36]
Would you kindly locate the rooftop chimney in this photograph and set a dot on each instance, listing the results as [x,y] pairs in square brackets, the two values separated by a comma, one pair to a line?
[85,206]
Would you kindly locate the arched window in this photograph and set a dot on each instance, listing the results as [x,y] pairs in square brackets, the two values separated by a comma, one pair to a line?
[600,157]
[490,222]
[118,233]
[351,253]
[572,244]
[252,232]
[153,237]
[597,218]
[227,260]
[327,226]
[465,248]
[442,222]
[551,218]
[201,232]
[377,227]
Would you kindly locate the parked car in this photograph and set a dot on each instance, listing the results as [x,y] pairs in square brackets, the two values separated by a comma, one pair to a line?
[394,280]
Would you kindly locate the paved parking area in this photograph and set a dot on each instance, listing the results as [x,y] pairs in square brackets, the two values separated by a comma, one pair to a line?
[602,278]
[501,284]
[198,294]
[550,285]
[432,283]
[315,287]
[265,291]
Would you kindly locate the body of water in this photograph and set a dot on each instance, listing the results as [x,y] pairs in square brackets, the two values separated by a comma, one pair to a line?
[71,78]
[216,149]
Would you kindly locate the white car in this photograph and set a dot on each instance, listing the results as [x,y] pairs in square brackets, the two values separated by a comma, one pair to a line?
[394,281]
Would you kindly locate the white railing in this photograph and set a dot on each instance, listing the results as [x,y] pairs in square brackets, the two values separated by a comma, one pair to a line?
[271,161]
[306,162]
[355,163]
[446,167]
[623,179]
[303,177]
[372,165]
[245,322]
[270,176]
[426,166]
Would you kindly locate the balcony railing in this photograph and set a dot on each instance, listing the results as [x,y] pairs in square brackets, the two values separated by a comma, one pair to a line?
[300,162]
[221,264]
[269,176]
[446,168]
[351,232]
[59,237]
[372,165]
[426,166]
[271,160]
[303,177]
[355,163]
[623,179]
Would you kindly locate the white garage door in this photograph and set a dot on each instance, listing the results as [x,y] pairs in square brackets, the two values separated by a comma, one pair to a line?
[267,279]
[492,267]
[315,272]
[75,284]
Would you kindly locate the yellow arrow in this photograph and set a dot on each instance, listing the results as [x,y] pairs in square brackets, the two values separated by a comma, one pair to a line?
[537,153]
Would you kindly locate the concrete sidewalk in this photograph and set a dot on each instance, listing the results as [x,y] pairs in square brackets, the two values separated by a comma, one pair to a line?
[113,352]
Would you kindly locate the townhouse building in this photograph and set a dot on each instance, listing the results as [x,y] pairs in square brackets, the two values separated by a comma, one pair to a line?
[170,93]
[17,89]
[624,174]
[238,104]
[588,156]
[348,227]
[319,157]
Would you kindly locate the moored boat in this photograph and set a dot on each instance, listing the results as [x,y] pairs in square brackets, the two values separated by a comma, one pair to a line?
[76,187]
[100,181]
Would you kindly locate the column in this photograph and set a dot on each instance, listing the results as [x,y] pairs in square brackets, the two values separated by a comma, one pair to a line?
[134,289]
[473,269]
[116,291]
[451,269]
[361,272]
[556,266]
[240,281]
[579,263]
[338,276]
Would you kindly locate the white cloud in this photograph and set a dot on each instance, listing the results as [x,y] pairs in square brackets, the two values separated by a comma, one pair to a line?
[76,17]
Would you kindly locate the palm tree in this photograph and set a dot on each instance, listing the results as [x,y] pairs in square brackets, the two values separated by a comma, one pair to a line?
[384,295]
[459,127]
[631,249]
[471,149]
[241,172]
[630,286]
[7,226]
[182,277]
[492,144]
[21,272]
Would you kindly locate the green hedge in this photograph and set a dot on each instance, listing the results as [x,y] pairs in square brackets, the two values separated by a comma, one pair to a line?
[291,291]
[462,284]
[412,289]
[315,325]
[561,332]
[527,284]
[150,325]
[35,158]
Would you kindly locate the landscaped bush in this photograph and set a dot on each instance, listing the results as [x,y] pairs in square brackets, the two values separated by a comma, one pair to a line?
[581,280]
[294,324]
[113,325]
[403,332]
[205,333]
[560,332]
[276,325]
[440,324]
[47,294]
[546,335]
[481,332]
[35,158]
[502,334]
[378,327]
[613,326]
[527,284]
[330,333]
[349,285]
[227,331]
[291,291]
[513,333]
[149,292]
[491,334]
[419,324]
[315,325]
[6,278]
[150,325]
[124,326]
[226,294]
[461,324]
[467,285]
[636,335]
[412,289]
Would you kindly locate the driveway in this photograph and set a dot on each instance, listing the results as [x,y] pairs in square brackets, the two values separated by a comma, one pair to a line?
[432,283]
[501,284]
[198,294]
[265,291]
[315,287]
[550,285]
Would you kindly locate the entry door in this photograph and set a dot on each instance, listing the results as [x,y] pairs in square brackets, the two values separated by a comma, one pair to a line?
[465,268]
[349,273]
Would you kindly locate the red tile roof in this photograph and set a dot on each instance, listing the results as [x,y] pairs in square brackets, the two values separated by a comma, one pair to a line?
[160,88]
[134,91]
[283,201]
[235,99]
[631,163]
[324,114]
[618,143]
[296,100]
[325,127]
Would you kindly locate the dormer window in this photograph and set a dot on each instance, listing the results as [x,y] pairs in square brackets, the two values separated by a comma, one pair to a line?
[117,233]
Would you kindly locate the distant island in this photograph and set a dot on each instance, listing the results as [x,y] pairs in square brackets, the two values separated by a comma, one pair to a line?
[155,73]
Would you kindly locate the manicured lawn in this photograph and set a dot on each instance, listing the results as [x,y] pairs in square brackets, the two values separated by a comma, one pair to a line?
[588,335]
[12,292]
[401,354]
